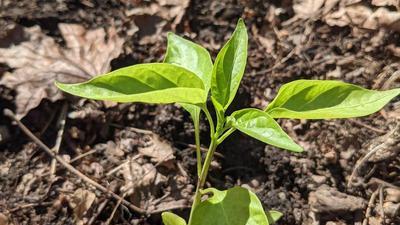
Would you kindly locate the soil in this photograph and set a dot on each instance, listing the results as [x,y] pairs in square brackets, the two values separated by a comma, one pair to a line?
[299,49]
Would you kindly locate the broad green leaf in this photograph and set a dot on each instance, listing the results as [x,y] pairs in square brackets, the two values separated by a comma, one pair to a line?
[236,206]
[273,216]
[229,66]
[150,83]
[196,59]
[172,219]
[259,125]
[327,99]
[191,56]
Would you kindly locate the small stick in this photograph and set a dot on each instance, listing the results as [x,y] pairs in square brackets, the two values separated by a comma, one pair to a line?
[99,210]
[369,208]
[381,203]
[68,166]
[113,212]
[56,148]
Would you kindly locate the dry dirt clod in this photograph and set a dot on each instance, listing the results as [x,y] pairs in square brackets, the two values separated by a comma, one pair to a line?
[40,61]
[329,200]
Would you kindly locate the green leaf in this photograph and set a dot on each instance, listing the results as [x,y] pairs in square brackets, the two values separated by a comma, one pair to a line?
[259,125]
[172,219]
[236,206]
[150,83]
[191,56]
[319,99]
[273,216]
[194,58]
[229,66]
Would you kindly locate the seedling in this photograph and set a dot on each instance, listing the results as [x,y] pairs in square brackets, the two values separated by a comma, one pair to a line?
[188,75]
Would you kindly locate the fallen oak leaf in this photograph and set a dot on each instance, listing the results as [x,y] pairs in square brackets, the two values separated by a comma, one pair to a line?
[40,61]
[80,202]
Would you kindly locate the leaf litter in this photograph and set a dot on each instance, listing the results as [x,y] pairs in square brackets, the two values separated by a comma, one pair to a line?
[305,47]
[40,61]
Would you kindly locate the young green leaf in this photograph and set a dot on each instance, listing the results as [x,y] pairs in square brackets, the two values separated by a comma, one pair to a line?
[150,83]
[172,219]
[194,58]
[273,216]
[327,99]
[236,206]
[259,125]
[191,56]
[229,66]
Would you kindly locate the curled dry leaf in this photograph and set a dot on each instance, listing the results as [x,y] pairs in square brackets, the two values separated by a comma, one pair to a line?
[364,17]
[80,202]
[160,13]
[40,61]
[307,8]
[140,176]
[157,149]
[386,2]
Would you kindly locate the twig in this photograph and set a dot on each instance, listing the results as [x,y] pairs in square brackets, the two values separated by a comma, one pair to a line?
[68,166]
[381,202]
[83,155]
[113,212]
[61,125]
[99,210]
[368,126]
[362,161]
[369,208]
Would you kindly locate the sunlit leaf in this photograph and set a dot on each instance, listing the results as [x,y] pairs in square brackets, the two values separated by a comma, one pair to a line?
[273,216]
[259,125]
[191,56]
[194,58]
[327,99]
[172,219]
[150,83]
[229,66]
[236,206]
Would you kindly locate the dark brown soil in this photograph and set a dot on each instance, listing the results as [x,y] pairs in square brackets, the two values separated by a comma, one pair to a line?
[282,180]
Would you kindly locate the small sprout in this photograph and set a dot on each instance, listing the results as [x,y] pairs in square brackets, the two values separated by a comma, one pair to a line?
[187,76]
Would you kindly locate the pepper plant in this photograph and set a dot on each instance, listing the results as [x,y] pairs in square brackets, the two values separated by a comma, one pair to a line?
[190,78]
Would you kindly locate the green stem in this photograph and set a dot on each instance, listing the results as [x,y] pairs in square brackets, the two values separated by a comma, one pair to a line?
[225,135]
[202,178]
[198,150]
[207,162]
[210,121]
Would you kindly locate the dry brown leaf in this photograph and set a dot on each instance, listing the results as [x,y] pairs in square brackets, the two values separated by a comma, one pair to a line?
[3,219]
[159,150]
[307,8]
[169,10]
[364,17]
[139,176]
[80,202]
[40,61]
[385,2]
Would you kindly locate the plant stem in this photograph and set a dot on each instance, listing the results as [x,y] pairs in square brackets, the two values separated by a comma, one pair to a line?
[210,121]
[198,150]
[203,176]
[225,135]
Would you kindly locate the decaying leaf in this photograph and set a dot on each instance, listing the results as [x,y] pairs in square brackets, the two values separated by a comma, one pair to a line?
[385,2]
[81,201]
[140,176]
[151,19]
[40,61]
[307,8]
[364,17]
[3,219]
[157,149]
